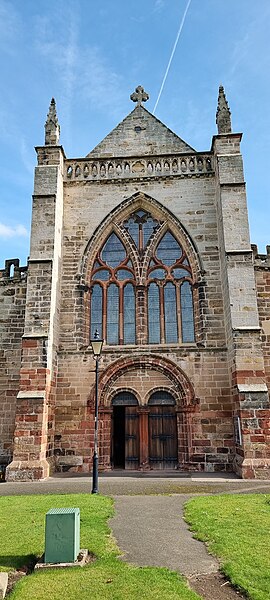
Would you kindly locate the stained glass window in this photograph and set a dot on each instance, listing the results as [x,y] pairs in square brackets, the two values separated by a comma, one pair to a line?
[171,333]
[140,226]
[169,265]
[180,273]
[102,275]
[123,274]
[114,292]
[168,250]
[158,274]
[162,291]
[148,229]
[133,229]
[153,314]
[187,312]
[113,314]
[113,251]
[96,309]
[129,314]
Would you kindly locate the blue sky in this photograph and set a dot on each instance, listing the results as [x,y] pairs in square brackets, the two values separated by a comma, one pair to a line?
[91,55]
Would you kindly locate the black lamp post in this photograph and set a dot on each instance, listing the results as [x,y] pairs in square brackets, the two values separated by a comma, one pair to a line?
[96,344]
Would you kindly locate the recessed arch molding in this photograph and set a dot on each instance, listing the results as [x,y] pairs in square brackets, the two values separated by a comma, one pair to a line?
[118,214]
[179,384]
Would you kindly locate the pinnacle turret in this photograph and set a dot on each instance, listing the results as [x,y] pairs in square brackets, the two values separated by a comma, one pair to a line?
[223,116]
[52,127]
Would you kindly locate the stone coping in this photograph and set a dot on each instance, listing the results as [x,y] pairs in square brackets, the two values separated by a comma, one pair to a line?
[252,387]
[31,394]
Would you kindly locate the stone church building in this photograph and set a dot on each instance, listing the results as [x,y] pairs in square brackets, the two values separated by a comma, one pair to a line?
[147,241]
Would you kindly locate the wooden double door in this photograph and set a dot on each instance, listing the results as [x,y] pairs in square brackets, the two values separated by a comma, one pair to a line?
[162,437]
[125,443]
[143,436]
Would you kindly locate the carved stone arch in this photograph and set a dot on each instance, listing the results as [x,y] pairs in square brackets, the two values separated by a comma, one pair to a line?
[179,385]
[111,222]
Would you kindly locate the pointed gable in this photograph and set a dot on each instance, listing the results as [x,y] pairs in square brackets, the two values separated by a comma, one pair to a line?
[139,134]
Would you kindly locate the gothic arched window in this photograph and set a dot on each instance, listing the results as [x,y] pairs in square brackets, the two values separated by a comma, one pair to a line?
[113,294]
[170,300]
[162,297]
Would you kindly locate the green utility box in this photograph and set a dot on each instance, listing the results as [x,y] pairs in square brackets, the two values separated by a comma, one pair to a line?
[62,535]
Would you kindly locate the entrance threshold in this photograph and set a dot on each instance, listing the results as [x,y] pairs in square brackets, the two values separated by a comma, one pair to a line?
[154,473]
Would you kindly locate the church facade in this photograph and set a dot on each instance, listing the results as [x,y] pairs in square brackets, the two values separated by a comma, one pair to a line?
[147,241]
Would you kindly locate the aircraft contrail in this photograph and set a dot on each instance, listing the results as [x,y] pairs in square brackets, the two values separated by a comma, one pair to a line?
[172,54]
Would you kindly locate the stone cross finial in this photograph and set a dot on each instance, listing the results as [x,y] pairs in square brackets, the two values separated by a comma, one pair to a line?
[52,127]
[223,116]
[139,95]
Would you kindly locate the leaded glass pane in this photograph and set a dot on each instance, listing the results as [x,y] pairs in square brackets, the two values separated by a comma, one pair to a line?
[148,228]
[179,273]
[162,398]
[102,275]
[113,314]
[133,229]
[96,310]
[124,399]
[113,252]
[188,334]
[158,274]
[123,274]
[153,314]
[168,250]
[171,333]
[129,314]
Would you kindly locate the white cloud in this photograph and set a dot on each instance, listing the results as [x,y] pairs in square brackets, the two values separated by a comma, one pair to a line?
[100,83]
[82,70]
[6,231]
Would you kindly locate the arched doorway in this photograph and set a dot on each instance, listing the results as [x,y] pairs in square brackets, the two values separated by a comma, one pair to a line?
[125,431]
[162,431]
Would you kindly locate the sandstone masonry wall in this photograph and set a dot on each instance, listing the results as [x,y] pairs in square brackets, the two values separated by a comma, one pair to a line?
[190,199]
[12,303]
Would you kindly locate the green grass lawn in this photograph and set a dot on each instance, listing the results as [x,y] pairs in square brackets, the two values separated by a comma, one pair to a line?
[237,530]
[22,521]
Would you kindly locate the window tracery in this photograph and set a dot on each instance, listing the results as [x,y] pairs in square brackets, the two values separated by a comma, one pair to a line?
[166,288]
[170,293]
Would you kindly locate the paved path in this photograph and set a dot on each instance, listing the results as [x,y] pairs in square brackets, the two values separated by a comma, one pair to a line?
[116,483]
[151,531]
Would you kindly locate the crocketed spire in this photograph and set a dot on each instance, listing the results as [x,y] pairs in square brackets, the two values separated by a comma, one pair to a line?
[52,127]
[223,116]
